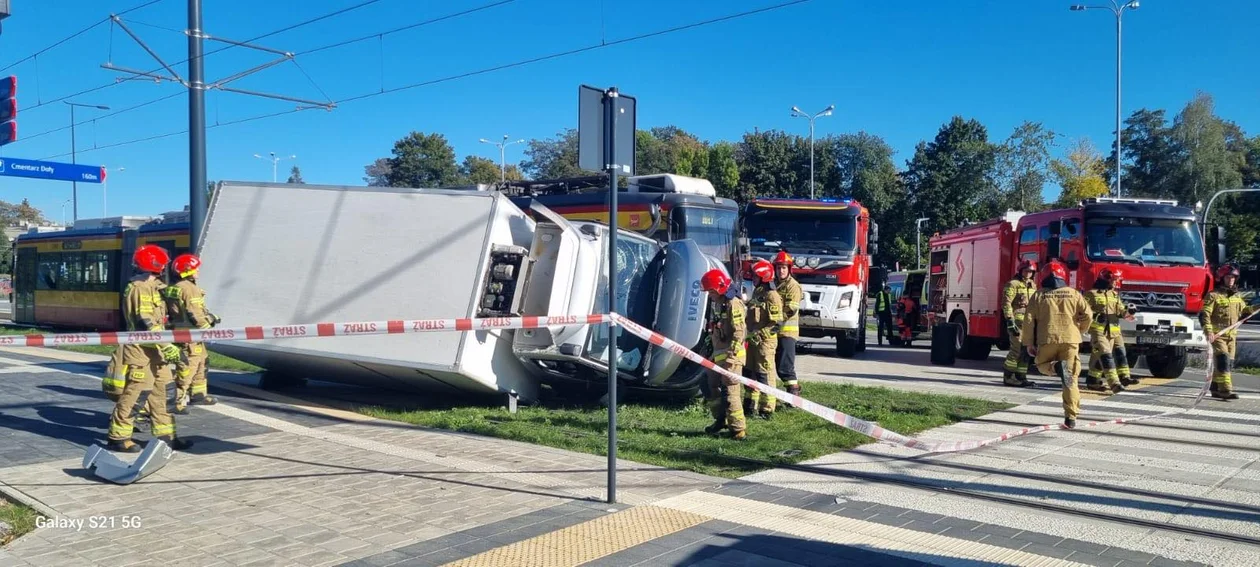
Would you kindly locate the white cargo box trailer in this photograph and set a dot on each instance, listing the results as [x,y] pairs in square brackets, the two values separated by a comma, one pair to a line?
[277,254]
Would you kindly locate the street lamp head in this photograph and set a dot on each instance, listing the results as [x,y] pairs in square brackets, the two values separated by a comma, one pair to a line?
[485,141]
[1077,8]
[1133,5]
[828,111]
[797,110]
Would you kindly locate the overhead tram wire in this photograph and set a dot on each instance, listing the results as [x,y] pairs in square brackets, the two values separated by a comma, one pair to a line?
[74,35]
[449,78]
[309,51]
[289,27]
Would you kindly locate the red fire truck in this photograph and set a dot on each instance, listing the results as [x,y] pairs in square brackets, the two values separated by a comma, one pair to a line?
[1154,242]
[833,242]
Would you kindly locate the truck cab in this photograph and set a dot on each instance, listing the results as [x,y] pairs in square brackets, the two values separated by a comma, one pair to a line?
[832,242]
[1156,244]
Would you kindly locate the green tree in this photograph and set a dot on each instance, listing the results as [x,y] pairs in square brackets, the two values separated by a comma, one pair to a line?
[1023,167]
[1080,175]
[376,174]
[478,170]
[723,170]
[1207,162]
[423,160]
[864,170]
[1151,154]
[1251,163]
[766,165]
[950,179]
[295,176]
[554,158]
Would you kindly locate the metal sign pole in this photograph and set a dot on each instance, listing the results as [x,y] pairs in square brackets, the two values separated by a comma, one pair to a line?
[610,140]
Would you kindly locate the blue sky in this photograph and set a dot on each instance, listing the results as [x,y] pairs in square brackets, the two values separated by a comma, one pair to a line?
[896,69]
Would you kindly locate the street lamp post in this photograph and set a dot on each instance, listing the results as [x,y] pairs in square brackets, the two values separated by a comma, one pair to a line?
[502,154]
[105,192]
[75,184]
[796,112]
[275,161]
[1118,10]
[918,235]
[63,213]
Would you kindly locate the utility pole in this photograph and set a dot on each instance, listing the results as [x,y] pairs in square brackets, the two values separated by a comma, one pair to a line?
[75,184]
[1118,10]
[502,154]
[196,127]
[918,237]
[275,161]
[197,87]
[796,112]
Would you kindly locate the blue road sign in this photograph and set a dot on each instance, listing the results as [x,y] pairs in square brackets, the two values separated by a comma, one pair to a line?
[13,167]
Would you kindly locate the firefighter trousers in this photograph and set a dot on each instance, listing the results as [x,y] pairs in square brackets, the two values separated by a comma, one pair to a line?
[152,377]
[785,360]
[725,401]
[190,377]
[1223,351]
[1103,365]
[1069,356]
[1016,358]
[761,362]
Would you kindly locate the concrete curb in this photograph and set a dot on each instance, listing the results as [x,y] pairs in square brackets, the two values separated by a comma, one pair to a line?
[20,497]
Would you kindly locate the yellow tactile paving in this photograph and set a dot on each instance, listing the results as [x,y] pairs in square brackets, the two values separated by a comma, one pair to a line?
[587,541]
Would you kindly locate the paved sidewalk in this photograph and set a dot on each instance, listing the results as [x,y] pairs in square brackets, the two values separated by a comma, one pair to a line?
[277,481]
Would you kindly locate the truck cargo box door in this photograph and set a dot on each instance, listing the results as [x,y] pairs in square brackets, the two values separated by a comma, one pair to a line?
[559,277]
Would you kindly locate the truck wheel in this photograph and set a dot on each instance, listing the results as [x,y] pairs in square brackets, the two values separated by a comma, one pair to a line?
[1167,362]
[846,347]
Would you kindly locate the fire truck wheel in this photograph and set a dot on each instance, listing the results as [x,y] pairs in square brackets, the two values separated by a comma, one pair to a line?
[861,341]
[846,347]
[1167,363]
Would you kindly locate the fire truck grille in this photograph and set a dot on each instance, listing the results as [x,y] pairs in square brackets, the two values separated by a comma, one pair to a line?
[1155,301]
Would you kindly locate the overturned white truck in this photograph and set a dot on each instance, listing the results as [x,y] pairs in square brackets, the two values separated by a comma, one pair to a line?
[277,254]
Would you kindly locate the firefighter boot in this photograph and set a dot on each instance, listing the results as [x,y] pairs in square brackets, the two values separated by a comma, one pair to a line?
[1017,380]
[203,400]
[1094,385]
[176,443]
[750,404]
[124,446]
[1117,387]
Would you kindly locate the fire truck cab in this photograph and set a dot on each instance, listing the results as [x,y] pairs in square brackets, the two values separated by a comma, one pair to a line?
[832,241]
[1155,243]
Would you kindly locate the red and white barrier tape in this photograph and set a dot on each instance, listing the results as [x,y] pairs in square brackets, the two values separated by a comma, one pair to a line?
[872,430]
[402,326]
[258,332]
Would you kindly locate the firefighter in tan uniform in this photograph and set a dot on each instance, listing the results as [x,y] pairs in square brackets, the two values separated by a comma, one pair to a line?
[1056,317]
[1221,308]
[727,333]
[765,315]
[1015,299]
[186,302]
[1106,345]
[790,290]
[147,365]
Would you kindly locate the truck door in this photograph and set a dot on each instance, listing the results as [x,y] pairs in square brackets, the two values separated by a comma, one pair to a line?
[1071,248]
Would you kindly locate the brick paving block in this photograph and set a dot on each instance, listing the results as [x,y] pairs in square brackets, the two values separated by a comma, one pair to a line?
[1039,538]
[1128,555]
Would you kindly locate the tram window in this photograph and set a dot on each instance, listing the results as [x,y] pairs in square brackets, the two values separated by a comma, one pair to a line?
[96,271]
[72,272]
[49,272]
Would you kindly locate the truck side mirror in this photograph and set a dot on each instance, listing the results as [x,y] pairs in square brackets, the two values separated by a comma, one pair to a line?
[874,233]
[1216,246]
[1052,243]
[743,245]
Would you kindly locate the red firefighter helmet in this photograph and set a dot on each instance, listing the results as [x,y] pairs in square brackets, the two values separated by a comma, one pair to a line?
[151,258]
[715,280]
[186,264]
[1053,268]
[783,259]
[1027,265]
[1113,275]
[762,271]
[1227,270]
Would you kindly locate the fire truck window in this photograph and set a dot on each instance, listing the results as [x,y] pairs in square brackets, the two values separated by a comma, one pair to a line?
[1071,229]
[1028,235]
[1045,233]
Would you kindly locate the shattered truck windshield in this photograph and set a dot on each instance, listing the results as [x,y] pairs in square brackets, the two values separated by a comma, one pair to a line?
[1143,241]
[636,277]
[803,232]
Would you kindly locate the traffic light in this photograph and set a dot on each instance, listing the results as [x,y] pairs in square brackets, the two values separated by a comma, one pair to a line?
[8,110]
